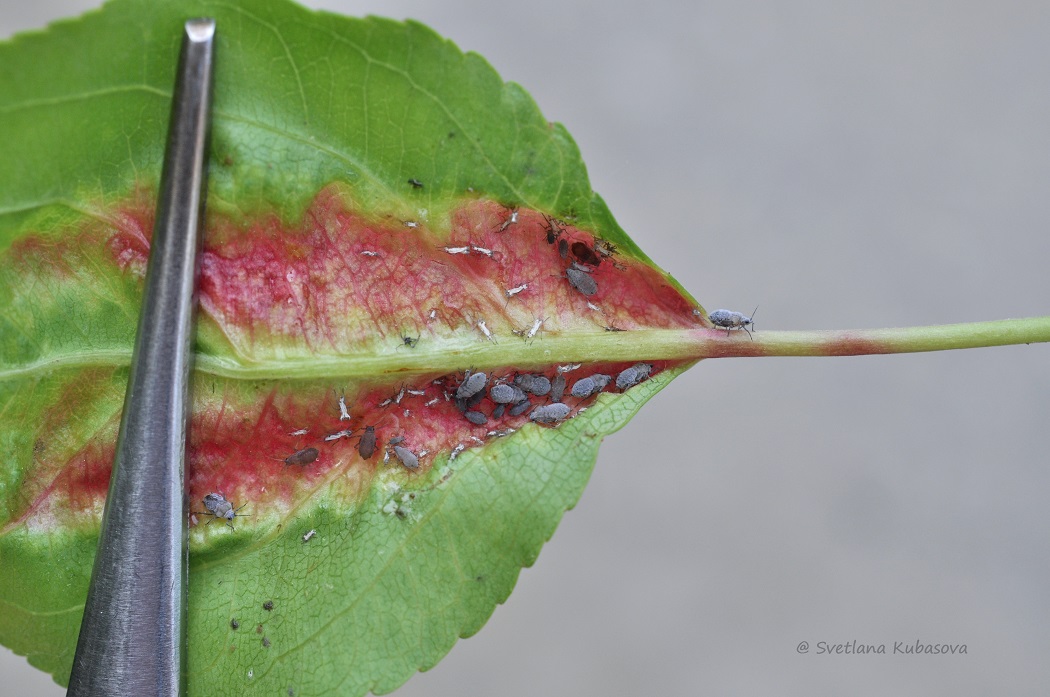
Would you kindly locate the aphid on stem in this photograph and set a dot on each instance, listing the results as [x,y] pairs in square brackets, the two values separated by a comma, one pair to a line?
[729,320]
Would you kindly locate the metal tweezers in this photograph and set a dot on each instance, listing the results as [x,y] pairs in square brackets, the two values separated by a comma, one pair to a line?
[132,636]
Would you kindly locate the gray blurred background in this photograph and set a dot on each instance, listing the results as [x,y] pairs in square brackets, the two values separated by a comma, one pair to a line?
[842,164]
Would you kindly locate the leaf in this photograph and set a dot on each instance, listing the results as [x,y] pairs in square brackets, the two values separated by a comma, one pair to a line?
[384,216]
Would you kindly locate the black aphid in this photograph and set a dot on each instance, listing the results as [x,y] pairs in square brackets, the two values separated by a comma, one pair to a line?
[549,413]
[633,375]
[302,457]
[585,387]
[476,418]
[471,385]
[234,624]
[366,447]
[410,341]
[558,388]
[407,457]
[581,281]
[584,254]
[268,606]
[416,184]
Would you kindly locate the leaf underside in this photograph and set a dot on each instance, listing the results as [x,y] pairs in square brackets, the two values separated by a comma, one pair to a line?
[384,217]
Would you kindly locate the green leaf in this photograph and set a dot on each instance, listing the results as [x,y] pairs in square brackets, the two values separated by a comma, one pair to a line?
[384,214]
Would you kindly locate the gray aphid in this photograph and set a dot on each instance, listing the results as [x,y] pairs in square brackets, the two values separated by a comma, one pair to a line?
[633,375]
[585,387]
[218,506]
[538,385]
[471,385]
[407,457]
[506,394]
[497,413]
[558,388]
[581,281]
[549,413]
[476,418]
[520,408]
[729,320]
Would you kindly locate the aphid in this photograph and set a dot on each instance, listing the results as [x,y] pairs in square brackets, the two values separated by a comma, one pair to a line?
[410,341]
[729,320]
[549,413]
[482,250]
[520,408]
[217,505]
[396,440]
[581,280]
[584,254]
[457,250]
[497,413]
[308,536]
[268,606]
[234,624]
[407,457]
[606,249]
[344,413]
[563,249]
[416,184]
[538,385]
[476,418]
[300,432]
[506,394]
[557,387]
[265,643]
[585,387]
[553,231]
[511,292]
[366,447]
[485,330]
[510,220]
[471,385]
[302,457]
[630,377]
[535,328]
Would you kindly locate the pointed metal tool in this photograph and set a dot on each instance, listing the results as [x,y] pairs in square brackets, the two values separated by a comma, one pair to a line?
[132,636]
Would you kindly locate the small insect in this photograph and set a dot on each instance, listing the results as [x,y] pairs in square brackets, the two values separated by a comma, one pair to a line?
[307,537]
[520,408]
[366,447]
[416,184]
[482,250]
[476,418]
[302,457]
[217,505]
[457,250]
[497,413]
[510,220]
[550,413]
[558,387]
[511,292]
[471,385]
[344,413]
[268,606]
[581,280]
[538,385]
[407,457]
[345,433]
[485,330]
[234,624]
[630,377]
[586,387]
[506,394]
[563,249]
[265,643]
[535,328]
[584,254]
[729,320]
[410,341]
[553,230]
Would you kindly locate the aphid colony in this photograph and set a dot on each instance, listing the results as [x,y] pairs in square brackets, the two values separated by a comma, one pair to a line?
[477,396]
